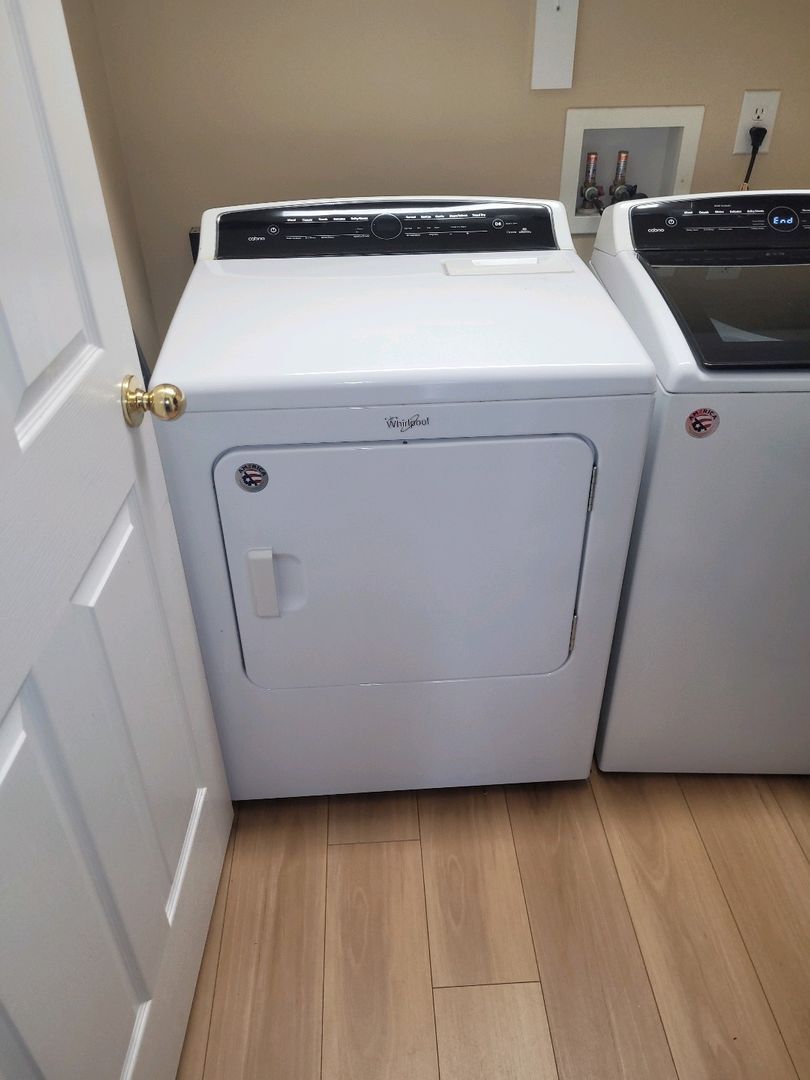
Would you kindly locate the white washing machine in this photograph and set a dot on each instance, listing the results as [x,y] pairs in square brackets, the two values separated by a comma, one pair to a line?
[404,487]
[711,666]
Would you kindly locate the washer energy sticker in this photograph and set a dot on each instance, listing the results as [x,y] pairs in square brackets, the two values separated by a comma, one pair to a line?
[702,422]
[251,477]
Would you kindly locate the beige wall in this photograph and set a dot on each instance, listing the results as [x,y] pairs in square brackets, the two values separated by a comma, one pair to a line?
[229,101]
[112,171]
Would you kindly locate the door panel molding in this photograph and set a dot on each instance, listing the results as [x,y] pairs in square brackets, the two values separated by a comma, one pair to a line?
[114,811]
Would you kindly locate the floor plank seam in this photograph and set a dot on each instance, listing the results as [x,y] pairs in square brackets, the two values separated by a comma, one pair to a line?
[635,931]
[531,932]
[235,828]
[471,986]
[356,843]
[775,794]
[325,910]
[736,925]
[427,935]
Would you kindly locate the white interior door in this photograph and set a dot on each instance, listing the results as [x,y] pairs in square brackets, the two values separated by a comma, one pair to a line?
[405,561]
[114,811]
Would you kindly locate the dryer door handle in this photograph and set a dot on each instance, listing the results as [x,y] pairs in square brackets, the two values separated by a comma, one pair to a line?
[263,582]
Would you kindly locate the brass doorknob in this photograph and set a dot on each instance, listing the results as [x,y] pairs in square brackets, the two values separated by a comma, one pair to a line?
[164,401]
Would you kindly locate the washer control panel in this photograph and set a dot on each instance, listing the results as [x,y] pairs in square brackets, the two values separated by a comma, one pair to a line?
[383,227]
[733,221]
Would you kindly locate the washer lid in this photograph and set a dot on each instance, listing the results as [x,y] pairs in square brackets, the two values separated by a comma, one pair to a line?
[715,287]
[740,318]
[294,333]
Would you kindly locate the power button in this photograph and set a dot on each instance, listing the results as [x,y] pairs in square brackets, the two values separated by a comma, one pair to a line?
[671,222]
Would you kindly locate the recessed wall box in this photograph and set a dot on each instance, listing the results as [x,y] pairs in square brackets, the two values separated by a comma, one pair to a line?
[662,143]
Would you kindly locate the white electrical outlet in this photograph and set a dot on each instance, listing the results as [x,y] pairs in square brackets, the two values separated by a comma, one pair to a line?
[758,110]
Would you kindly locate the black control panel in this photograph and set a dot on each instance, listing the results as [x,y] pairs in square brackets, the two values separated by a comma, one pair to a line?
[383,227]
[745,221]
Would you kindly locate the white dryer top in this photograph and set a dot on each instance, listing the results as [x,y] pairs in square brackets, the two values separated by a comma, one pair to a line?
[416,328]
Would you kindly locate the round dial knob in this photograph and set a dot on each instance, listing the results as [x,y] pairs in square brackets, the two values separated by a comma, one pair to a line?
[386,226]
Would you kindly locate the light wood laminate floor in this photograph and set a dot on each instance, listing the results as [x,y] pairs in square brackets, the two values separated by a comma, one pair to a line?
[621,928]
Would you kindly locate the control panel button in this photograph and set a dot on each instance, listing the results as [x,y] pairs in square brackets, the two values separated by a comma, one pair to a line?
[273,230]
[386,226]
[783,219]
[498,223]
[671,222]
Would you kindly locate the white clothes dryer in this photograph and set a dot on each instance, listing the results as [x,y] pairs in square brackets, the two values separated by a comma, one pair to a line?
[404,488]
[711,666]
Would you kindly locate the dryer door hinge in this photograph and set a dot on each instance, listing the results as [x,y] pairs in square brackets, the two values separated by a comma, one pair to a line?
[573,637]
[592,489]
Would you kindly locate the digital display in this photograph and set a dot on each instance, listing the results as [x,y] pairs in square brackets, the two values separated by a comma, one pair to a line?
[783,218]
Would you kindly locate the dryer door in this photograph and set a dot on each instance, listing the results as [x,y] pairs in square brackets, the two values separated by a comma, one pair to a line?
[400,562]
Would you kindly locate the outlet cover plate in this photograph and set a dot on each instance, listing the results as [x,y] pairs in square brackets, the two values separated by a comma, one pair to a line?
[758,107]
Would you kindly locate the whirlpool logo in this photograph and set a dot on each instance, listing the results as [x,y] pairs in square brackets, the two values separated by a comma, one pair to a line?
[401,424]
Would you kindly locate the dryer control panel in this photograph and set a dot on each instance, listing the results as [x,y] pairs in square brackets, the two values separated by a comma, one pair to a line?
[744,221]
[383,227]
